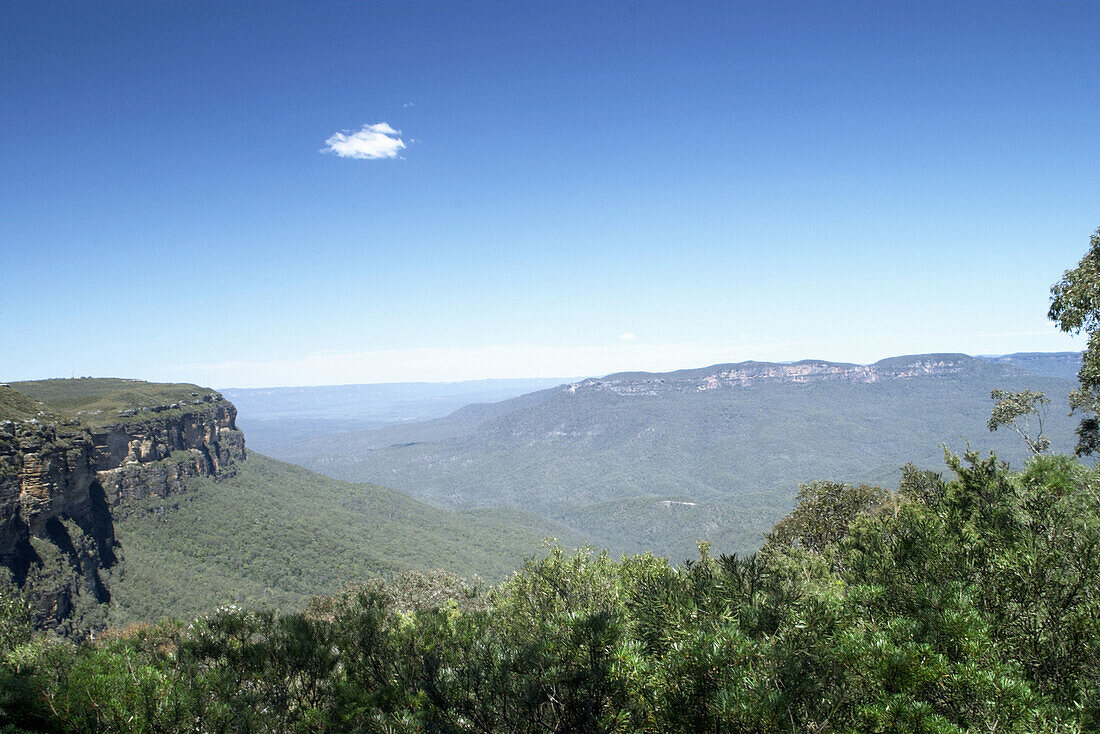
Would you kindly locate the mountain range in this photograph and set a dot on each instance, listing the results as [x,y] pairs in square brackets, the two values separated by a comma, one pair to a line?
[122,500]
[640,461]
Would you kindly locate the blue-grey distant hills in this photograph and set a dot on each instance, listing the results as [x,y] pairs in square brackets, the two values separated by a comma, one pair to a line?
[1049,364]
[642,461]
[277,418]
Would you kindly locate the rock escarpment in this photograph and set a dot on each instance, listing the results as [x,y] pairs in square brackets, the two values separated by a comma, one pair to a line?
[61,475]
[749,374]
[152,456]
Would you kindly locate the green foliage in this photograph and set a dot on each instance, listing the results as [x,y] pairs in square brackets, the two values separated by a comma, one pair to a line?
[274,535]
[824,512]
[962,604]
[15,617]
[1013,408]
[659,469]
[14,405]
[1075,307]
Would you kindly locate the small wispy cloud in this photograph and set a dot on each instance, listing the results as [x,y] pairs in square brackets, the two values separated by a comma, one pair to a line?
[371,143]
[408,104]
[628,336]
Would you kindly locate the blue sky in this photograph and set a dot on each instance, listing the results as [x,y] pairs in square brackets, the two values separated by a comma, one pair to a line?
[713,181]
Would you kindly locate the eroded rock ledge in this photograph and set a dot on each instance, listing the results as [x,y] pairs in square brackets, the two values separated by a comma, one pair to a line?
[60,480]
[151,457]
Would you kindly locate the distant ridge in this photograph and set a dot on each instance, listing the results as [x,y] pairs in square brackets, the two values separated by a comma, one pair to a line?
[620,459]
[1049,364]
[279,418]
[745,374]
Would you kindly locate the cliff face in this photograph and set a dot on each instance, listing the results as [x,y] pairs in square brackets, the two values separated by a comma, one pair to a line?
[152,456]
[748,374]
[55,529]
[59,480]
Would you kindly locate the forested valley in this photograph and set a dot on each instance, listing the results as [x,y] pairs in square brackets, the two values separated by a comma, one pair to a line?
[969,602]
[549,367]
[965,600]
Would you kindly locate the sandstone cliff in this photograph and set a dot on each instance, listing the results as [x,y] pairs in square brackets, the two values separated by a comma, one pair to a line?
[137,458]
[748,374]
[61,474]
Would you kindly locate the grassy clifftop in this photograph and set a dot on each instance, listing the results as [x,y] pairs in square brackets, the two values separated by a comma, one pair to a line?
[15,405]
[97,401]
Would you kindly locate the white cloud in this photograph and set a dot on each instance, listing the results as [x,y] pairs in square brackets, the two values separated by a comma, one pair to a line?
[372,142]
[628,336]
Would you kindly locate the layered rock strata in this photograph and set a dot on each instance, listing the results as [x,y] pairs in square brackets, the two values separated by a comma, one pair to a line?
[59,480]
[749,374]
[152,456]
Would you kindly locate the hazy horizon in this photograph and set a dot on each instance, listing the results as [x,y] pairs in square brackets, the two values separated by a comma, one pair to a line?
[536,378]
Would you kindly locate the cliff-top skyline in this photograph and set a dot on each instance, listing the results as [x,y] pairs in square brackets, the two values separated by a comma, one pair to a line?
[260,194]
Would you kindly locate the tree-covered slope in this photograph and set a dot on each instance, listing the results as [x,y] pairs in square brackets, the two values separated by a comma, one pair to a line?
[639,461]
[275,534]
[954,605]
[15,405]
[1050,364]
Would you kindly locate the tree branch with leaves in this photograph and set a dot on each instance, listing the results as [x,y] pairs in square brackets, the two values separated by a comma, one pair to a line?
[1075,307]
[1014,409]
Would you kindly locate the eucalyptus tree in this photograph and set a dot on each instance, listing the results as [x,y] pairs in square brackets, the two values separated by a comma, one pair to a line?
[1075,307]
[1014,409]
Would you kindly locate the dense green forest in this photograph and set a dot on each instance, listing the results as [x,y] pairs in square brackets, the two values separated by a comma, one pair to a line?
[276,534]
[648,462]
[967,603]
[962,601]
